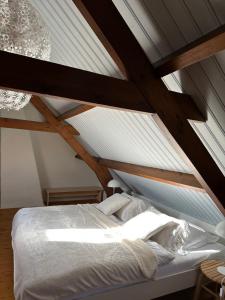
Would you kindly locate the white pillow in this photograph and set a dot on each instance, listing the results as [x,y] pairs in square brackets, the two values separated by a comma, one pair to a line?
[198,238]
[163,256]
[144,225]
[133,208]
[112,204]
[173,236]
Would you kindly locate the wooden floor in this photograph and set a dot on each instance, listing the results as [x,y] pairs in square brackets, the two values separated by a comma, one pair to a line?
[6,257]
[6,261]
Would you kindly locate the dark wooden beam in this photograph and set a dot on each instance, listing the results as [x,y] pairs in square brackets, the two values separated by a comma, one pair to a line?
[45,78]
[75,111]
[170,177]
[101,172]
[194,52]
[32,125]
[65,82]
[188,108]
[114,33]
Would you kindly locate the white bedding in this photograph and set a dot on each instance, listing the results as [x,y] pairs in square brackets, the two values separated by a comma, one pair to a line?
[190,261]
[66,252]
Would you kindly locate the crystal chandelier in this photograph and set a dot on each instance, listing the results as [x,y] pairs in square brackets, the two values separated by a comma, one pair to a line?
[22,31]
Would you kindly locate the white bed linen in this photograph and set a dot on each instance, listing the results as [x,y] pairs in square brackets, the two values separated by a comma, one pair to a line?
[64,252]
[179,274]
[182,263]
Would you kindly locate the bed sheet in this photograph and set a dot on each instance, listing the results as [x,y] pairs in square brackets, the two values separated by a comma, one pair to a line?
[191,260]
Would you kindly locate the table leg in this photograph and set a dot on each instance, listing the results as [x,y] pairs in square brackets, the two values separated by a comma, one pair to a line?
[198,286]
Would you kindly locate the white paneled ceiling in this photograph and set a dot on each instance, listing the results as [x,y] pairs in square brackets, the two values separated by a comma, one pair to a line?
[195,204]
[128,137]
[161,27]
[73,42]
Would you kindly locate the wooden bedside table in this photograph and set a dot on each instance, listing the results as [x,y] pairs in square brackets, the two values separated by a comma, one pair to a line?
[209,275]
[73,195]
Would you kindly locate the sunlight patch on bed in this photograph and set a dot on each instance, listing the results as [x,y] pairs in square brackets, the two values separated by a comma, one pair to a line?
[84,235]
[205,251]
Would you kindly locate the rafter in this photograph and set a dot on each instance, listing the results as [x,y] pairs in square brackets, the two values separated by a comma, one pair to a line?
[116,36]
[189,108]
[101,172]
[159,175]
[68,83]
[75,111]
[32,125]
[194,52]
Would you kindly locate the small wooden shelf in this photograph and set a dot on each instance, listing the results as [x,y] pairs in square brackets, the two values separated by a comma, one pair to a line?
[73,195]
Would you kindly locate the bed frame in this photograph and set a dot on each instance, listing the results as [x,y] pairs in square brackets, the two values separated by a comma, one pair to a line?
[150,289]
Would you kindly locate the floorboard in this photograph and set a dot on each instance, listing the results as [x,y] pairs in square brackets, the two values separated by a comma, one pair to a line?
[6,261]
[6,256]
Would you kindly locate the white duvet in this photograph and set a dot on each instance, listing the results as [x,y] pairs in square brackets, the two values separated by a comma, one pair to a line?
[68,252]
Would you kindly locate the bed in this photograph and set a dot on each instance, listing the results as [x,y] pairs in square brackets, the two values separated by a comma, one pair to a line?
[74,252]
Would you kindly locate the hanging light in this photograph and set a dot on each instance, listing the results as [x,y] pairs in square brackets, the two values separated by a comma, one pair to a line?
[22,31]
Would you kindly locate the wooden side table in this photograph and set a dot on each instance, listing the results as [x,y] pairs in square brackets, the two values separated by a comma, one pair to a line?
[209,275]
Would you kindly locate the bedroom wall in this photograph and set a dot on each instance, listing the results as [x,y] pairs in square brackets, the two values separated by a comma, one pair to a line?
[20,186]
[56,163]
[32,161]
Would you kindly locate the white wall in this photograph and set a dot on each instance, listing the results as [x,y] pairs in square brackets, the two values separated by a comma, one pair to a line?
[32,161]
[56,163]
[20,186]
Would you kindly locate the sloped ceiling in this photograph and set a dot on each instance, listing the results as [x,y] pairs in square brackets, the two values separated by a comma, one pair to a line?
[161,27]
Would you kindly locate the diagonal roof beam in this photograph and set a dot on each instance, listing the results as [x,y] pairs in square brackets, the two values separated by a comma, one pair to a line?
[194,52]
[116,36]
[75,111]
[174,178]
[169,177]
[101,172]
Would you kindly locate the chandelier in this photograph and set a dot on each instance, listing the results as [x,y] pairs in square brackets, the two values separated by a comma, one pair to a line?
[22,31]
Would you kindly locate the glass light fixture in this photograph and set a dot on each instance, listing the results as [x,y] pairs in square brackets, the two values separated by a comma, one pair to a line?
[22,31]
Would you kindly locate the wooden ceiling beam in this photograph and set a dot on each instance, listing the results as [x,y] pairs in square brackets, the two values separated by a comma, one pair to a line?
[169,177]
[32,125]
[115,35]
[70,83]
[202,48]
[188,107]
[65,82]
[75,111]
[174,178]
[101,172]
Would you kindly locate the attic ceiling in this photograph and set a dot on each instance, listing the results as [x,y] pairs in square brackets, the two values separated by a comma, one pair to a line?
[161,27]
